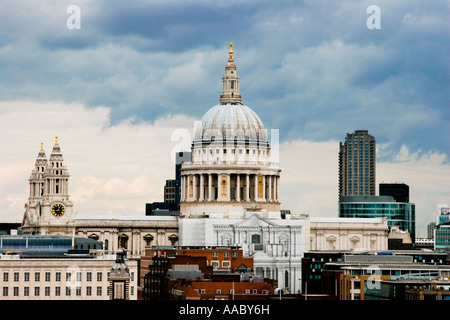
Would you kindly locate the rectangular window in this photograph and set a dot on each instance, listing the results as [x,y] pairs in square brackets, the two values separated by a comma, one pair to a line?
[16,291]
[5,276]
[68,291]
[47,291]
[36,291]
[5,291]
[88,291]
[99,276]
[37,276]
[89,276]
[26,276]
[16,276]
[58,276]
[47,276]
[57,291]
[99,291]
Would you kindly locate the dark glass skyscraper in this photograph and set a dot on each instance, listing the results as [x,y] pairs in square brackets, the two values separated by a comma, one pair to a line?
[357,164]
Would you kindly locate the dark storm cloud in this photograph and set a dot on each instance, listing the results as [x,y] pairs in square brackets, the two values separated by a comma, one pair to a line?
[309,68]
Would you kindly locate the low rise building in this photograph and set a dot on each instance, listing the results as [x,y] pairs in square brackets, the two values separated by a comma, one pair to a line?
[348,233]
[191,274]
[322,270]
[57,268]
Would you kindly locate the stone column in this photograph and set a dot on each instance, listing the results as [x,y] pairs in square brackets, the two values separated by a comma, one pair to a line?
[247,187]
[270,188]
[238,187]
[182,187]
[256,187]
[264,187]
[195,187]
[229,186]
[201,188]
[209,186]
[278,187]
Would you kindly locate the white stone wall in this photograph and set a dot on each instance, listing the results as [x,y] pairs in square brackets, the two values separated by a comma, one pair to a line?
[276,245]
[48,282]
[348,234]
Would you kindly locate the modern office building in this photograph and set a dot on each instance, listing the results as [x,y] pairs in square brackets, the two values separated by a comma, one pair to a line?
[322,269]
[442,237]
[399,214]
[172,191]
[442,229]
[357,164]
[361,276]
[399,191]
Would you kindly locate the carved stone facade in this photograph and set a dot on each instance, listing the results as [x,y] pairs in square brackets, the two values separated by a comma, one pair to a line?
[276,245]
[132,234]
[348,234]
[49,212]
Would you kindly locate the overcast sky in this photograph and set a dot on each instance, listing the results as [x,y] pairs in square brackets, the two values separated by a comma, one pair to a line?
[116,89]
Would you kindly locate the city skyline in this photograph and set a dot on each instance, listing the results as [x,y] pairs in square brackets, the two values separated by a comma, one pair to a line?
[117,95]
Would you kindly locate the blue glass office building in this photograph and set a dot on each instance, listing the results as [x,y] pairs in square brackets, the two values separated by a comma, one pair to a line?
[401,214]
[442,237]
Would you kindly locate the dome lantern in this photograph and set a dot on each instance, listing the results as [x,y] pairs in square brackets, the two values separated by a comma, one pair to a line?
[230,93]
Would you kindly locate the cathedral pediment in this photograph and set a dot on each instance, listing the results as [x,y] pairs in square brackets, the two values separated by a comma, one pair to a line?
[254,221]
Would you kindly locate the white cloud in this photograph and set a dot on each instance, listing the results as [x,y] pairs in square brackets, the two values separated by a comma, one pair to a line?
[309,179]
[116,170]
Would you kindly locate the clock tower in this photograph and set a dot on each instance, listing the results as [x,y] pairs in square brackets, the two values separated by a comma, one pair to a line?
[49,209]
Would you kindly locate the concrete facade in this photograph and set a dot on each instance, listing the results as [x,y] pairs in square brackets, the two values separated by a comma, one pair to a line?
[348,234]
[60,278]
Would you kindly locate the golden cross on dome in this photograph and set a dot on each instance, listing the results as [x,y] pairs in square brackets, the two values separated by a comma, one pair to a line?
[230,59]
[42,145]
[56,140]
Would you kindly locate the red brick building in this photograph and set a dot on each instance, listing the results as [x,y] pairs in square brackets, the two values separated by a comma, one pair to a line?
[219,258]
[201,273]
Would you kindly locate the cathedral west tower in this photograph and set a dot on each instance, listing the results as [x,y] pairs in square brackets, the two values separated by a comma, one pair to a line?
[49,209]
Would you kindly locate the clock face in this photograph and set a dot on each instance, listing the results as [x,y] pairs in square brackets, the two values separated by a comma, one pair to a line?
[58,210]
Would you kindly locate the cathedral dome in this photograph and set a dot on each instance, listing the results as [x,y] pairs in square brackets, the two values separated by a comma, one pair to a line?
[230,121]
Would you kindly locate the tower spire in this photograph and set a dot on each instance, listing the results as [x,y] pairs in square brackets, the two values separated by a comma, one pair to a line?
[230,79]
[230,59]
